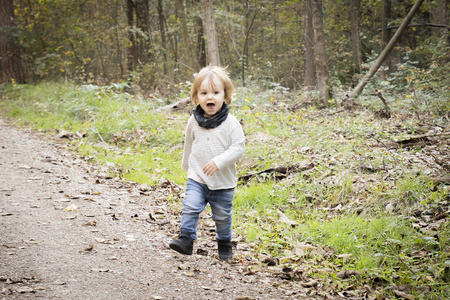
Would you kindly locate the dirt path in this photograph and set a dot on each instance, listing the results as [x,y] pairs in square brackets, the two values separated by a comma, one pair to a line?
[104,248]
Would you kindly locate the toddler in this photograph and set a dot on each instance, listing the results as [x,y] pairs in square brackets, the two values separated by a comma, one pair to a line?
[214,141]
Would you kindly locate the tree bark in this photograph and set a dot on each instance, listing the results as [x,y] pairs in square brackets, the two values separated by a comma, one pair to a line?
[201,47]
[310,71]
[443,16]
[320,54]
[386,34]
[211,36]
[132,59]
[141,8]
[184,34]
[163,35]
[356,41]
[11,61]
[358,89]
[249,21]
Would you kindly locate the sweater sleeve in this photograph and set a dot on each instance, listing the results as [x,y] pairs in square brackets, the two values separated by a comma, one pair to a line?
[236,149]
[188,140]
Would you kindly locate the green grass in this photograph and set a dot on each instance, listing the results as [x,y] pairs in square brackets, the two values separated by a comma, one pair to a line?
[339,202]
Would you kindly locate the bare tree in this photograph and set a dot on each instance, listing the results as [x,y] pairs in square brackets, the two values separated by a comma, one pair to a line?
[11,62]
[211,36]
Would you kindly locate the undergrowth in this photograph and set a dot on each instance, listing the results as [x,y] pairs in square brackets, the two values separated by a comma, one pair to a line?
[357,203]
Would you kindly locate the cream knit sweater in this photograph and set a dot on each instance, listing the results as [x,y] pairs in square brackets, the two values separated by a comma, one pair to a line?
[224,145]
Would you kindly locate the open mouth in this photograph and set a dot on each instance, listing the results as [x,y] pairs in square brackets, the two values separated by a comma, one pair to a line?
[210,105]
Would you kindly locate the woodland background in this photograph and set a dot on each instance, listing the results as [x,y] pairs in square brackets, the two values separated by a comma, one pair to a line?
[154,45]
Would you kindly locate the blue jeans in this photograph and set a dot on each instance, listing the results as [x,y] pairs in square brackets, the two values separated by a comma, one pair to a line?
[221,202]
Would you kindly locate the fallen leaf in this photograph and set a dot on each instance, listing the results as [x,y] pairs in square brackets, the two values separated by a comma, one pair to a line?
[268,260]
[302,248]
[71,207]
[348,273]
[90,223]
[403,294]
[310,284]
[203,252]
[25,289]
[90,248]
[99,270]
[63,200]
[347,257]
[105,241]
[32,242]
[285,219]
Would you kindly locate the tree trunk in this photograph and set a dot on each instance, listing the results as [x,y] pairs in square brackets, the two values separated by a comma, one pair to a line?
[249,21]
[310,71]
[275,29]
[320,54]
[132,59]
[141,8]
[386,34]
[11,61]
[184,34]
[119,60]
[211,37]
[201,47]
[163,35]
[356,41]
[443,16]
[386,50]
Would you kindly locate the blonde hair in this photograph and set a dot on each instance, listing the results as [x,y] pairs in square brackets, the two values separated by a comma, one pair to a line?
[212,74]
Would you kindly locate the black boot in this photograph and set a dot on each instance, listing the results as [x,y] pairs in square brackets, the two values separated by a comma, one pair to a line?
[225,250]
[184,244]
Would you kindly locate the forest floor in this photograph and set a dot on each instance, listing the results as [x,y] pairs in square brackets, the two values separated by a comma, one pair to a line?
[67,234]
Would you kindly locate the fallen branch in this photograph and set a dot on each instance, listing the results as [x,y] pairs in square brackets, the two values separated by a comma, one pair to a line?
[419,25]
[177,106]
[441,180]
[412,141]
[420,139]
[282,172]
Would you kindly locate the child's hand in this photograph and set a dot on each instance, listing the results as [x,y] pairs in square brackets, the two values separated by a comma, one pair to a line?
[210,168]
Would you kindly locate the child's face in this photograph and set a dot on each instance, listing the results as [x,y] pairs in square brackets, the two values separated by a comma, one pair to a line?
[211,96]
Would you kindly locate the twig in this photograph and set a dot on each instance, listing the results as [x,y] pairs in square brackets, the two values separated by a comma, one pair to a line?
[157,223]
[380,142]
[336,112]
[378,94]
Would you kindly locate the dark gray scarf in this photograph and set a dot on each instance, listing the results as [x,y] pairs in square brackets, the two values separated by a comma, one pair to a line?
[213,121]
